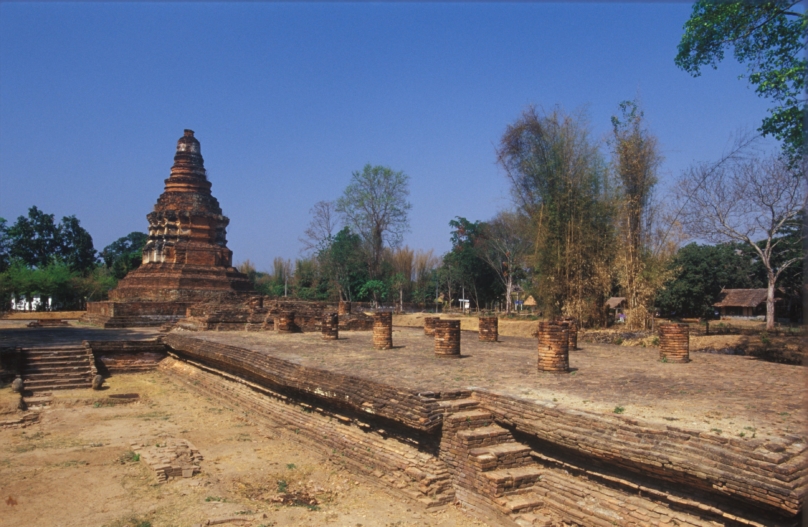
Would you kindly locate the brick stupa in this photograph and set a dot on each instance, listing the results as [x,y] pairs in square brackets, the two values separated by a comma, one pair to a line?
[185,261]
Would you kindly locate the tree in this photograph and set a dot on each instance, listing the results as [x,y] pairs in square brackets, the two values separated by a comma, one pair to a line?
[636,159]
[322,227]
[465,257]
[770,38]
[124,254]
[342,263]
[5,259]
[36,240]
[505,246]
[748,201]
[700,272]
[559,179]
[375,205]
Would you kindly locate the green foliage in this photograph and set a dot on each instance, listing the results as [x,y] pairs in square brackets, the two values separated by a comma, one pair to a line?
[769,37]
[619,409]
[124,254]
[464,262]
[36,240]
[560,180]
[373,289]
[701,271]
[344,265]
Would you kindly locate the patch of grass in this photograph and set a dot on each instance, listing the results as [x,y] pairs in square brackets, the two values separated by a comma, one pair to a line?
[215,498]
[655,341]
[741,434]
[291,466]
[619,409]
[718,431]
[618,341]
[283,486]
[129,457]
[71,464]
[131,521]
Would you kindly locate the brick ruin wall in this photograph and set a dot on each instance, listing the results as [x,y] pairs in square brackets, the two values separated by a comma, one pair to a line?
[595,469]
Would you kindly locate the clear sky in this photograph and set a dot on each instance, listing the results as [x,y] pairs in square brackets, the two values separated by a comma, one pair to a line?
[288,99]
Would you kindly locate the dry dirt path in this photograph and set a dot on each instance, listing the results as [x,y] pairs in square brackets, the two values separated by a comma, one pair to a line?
[71,468]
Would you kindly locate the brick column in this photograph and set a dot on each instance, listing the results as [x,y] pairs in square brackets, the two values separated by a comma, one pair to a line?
[447,338]
[330,326]
[572,325]
[285,322]
[383,330]
[553,348]
[489,329]
[674,343]
[344,308]
[429,326]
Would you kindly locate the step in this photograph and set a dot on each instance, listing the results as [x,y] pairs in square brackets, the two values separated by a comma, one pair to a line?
[522,502]
[514,477]
[58,360]
[477,414]
[503,455]
[85,374]
[56,367]
[55,383]
[41,400]
[84,386]
[535,519]
[454,405]
[56,357]
[485,436]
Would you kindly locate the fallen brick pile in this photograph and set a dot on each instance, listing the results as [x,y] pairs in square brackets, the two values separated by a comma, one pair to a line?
[169,458]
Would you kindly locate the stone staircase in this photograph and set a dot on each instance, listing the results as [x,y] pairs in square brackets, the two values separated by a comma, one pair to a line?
[494,474]
[57,368]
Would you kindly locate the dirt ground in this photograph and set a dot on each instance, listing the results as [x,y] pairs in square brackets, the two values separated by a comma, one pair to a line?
[75,468]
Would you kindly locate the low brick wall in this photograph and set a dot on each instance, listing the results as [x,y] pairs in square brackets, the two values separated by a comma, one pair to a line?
[416,409]
[746,475]
[119,356]
[489,329]
[406,465]
[674,342]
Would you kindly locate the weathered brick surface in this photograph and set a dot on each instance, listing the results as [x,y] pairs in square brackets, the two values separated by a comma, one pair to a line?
[401,463]
[750,473]
[489,329]
[330,329]
[383,330]
[553,348]
[429,325]
[418,410]
[674,342]
[447,338]
[121,356]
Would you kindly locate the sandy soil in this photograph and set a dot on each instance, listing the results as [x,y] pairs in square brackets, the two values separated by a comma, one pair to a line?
[74,468]
[507,328]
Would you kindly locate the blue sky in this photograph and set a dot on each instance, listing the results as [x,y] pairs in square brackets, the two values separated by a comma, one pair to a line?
[288,99]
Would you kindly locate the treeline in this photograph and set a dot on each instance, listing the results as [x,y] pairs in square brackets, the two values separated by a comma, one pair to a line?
[39,257]
[585,225]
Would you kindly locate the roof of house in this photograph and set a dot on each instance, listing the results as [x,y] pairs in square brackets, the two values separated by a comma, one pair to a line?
[530,301]
[741,298]
[615,302]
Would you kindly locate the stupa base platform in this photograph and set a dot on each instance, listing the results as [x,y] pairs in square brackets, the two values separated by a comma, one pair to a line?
[134,314]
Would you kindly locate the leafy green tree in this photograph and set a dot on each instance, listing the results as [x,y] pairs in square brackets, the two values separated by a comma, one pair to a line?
[343,264]
[769,37]
[5,258]
[37,239]
[124,254]
[700,273]
[375,205]
[479,278]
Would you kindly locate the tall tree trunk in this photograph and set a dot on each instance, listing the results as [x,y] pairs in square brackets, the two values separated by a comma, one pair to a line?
[770,303]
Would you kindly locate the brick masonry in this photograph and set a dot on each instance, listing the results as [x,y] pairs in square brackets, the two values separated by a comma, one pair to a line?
[674,342]
[383,330]
[596,469]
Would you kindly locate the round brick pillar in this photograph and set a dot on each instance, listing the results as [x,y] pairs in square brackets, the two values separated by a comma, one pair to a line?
[572,325]
[330,326]
[447,338]
[344,308]
[285,322]
[429,325]
[489,329]
[554,353]
[674,343]
[383,330]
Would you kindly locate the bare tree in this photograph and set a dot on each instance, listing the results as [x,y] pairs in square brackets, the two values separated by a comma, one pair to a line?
[506,244]
[322,227]
[375,205]
[749,201]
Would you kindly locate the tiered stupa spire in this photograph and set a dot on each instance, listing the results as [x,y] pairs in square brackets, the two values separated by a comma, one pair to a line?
[186,257]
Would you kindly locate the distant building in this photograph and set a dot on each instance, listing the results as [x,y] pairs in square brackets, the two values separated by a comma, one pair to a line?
[615,310]
[742,303]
